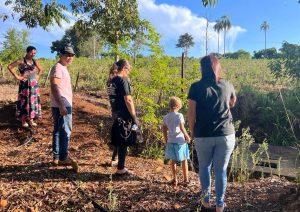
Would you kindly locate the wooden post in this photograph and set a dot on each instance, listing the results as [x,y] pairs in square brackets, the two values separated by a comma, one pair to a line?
[182,61]
[47,77]
[2,71]
[76,83]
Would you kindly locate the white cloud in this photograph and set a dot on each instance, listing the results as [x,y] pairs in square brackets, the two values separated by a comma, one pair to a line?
[172,21]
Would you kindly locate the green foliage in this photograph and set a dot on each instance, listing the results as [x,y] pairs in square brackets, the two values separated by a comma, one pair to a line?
[14,45]
[112,197]
[240,54]
[270,53]
[114,20]
[185,41]
[154,151]
[84,43]
[288,62]
[244,161]
[34,13]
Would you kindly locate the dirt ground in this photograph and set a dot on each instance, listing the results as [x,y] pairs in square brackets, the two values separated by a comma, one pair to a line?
[28,181]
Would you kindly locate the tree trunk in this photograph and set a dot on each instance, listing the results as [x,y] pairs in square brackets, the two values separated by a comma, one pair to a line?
[265,40]
[218,43]
[224,40]
[206,37]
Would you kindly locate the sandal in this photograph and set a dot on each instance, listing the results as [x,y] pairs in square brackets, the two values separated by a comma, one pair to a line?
[188,183]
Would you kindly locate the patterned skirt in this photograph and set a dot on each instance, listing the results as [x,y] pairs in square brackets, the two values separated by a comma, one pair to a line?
[28,103]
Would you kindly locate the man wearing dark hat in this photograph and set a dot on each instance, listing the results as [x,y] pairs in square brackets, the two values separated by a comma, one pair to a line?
[61,105]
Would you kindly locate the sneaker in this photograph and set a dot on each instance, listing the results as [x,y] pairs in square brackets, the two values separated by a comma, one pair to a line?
[55,162]
[26,125]
[33,124]
[114,163]
[66,162]
[123,172]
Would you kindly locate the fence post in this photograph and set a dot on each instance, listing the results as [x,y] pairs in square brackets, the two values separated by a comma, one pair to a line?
[76,83]
[47,77]
[182,61]
[1,70]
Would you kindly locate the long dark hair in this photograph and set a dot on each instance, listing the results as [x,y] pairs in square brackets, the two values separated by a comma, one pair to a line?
[30,48]
[121,64]
[210,68]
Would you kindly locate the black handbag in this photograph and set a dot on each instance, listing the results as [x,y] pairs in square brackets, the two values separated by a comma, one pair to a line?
[122,133]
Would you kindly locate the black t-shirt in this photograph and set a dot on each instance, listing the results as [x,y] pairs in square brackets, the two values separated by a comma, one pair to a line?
[117,88]
[213,116]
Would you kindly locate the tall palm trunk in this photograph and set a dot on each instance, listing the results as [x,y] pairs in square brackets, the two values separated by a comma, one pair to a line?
[265,40]
[218,42]
[224,40]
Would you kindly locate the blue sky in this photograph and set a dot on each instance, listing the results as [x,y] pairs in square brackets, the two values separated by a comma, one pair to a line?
[172,18]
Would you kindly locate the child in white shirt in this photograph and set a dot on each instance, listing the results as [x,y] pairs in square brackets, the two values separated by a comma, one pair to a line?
[177,139]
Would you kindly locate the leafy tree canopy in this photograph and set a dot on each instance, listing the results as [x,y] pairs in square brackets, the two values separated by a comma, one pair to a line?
[288,62]
[270,53]
[185,41]
[35,13]
[14,45]
[240,54]
[113,20]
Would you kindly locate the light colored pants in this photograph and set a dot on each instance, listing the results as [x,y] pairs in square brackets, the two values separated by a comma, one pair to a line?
[216,150]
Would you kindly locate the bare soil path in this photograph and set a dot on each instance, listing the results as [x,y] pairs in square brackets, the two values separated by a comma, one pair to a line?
[28,181]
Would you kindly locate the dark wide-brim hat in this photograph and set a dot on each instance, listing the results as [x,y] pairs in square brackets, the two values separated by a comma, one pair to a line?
[67,50]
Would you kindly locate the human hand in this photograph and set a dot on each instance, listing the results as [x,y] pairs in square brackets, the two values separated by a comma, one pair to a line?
[22,77]
[188,139]
[63,111]
[136,121]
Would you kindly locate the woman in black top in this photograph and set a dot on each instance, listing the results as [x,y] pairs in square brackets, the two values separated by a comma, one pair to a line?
[123,108]
[210,122]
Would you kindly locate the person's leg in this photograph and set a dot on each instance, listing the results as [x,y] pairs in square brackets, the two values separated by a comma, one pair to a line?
[122,151]
[185,171]
[223,150]
[56,133]
[114,156]
[174,172]
[65,134]
[205,150]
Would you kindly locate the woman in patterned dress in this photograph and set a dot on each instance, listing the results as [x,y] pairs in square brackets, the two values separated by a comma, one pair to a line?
[28,103]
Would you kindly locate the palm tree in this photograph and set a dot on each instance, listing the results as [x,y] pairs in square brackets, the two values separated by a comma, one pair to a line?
[218,27]
[226,26]
[265,26]
[209,2]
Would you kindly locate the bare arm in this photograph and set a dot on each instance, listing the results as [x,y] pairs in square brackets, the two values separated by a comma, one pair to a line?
[12,69]
[232,101]
[192,115]
[55,82]
[183,130]
[130,106]
[165,133]
[39,69]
